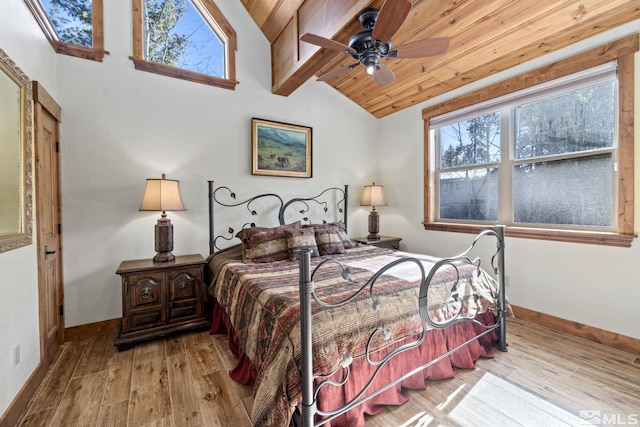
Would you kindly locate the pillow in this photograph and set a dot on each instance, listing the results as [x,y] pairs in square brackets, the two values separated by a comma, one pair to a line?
[328,241]
[301,238]
[342,232]
[246,233]
[261,244]
[341,229]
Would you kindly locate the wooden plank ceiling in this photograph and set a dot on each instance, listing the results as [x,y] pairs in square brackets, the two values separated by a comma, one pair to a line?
[487,36]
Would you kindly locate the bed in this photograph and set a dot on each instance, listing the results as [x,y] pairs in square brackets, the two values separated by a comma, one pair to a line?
[326,330]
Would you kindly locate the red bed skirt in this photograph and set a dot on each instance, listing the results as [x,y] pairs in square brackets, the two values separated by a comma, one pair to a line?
[437,342]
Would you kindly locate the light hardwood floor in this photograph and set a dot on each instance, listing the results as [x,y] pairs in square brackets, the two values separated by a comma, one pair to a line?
[182,381]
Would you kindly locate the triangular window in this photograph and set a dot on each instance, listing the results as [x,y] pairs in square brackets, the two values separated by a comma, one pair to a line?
[73,27]
[187,39]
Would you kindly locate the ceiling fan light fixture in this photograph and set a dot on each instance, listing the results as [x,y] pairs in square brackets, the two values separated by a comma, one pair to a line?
[370,60]
[371,68]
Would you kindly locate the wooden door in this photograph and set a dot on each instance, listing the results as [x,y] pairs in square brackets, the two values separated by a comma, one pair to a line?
[47,116]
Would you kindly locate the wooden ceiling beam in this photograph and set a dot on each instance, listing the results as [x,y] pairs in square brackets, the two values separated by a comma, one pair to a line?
[294,62]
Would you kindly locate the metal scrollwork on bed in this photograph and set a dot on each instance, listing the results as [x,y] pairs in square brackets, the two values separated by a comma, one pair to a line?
[224,196]
[309,409]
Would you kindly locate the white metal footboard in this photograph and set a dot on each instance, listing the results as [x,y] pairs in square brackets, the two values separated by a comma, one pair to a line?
[309,409]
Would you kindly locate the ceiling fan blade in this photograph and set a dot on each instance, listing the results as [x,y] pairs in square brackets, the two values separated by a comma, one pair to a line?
[392,15]
[325,42]
[335,73]
[422,48]
[383,75]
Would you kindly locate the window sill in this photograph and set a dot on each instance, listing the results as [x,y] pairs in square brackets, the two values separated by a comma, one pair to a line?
[587,237]
[90,53]
[179,73]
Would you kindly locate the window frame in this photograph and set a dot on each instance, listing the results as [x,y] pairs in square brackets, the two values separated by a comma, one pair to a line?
[621,50]
[215,18]
[94,53]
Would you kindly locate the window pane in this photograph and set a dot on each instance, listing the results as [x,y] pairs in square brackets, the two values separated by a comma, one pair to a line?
[568,192]
[178,35]
[471,142]
[579,121]
[72,20]
[469,195]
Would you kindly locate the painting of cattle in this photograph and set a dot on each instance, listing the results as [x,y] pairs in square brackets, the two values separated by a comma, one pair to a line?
[280,149]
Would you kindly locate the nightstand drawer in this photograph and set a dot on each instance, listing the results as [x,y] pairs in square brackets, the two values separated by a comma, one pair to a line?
[144,290]
[182,284]
[145,318]
[183,309]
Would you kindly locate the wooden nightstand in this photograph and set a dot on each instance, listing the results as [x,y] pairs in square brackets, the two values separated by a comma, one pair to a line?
[161,298]
[382,242]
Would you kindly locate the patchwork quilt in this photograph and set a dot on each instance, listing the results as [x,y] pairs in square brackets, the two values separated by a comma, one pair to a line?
[262,302]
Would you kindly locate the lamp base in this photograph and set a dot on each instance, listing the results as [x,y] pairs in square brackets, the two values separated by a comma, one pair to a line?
[164,240]
[164,257]
[374,225]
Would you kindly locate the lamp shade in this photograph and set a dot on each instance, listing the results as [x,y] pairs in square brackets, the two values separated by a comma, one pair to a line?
[162,195]
[373,195]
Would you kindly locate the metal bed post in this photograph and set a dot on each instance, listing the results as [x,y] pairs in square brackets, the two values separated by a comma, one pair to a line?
[346,206]
[502,330]
[306,289]
[212,244]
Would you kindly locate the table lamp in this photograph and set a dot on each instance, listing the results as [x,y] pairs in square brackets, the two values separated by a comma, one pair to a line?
[162,195]
[373,195]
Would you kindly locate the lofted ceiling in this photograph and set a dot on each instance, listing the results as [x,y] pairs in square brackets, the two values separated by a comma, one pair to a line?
[486,36]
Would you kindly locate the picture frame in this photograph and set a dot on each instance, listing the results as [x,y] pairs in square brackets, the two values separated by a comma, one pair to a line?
[280,149]
[16,161]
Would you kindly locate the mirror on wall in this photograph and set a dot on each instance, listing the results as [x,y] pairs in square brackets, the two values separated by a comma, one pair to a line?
[16,135]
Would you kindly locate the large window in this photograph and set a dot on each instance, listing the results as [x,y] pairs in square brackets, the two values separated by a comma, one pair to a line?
[186,39]
[73,27]
[550,160]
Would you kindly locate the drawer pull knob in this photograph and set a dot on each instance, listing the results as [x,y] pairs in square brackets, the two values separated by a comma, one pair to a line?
[182,286]
[146,292]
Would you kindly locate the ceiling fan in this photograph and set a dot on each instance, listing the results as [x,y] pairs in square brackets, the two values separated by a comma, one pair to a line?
[368,46]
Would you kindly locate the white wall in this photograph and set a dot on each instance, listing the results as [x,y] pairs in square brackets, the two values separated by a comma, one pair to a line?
[594,285]
[24,43]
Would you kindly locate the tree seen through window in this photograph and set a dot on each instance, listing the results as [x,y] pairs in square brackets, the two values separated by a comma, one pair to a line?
[177,34]
[560,162]
[72,20]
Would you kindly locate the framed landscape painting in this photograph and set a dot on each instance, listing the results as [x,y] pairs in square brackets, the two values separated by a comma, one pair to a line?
[280,149]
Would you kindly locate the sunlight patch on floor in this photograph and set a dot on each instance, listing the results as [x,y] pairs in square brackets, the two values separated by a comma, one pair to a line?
[495,402]
[418,420]
[444,404]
